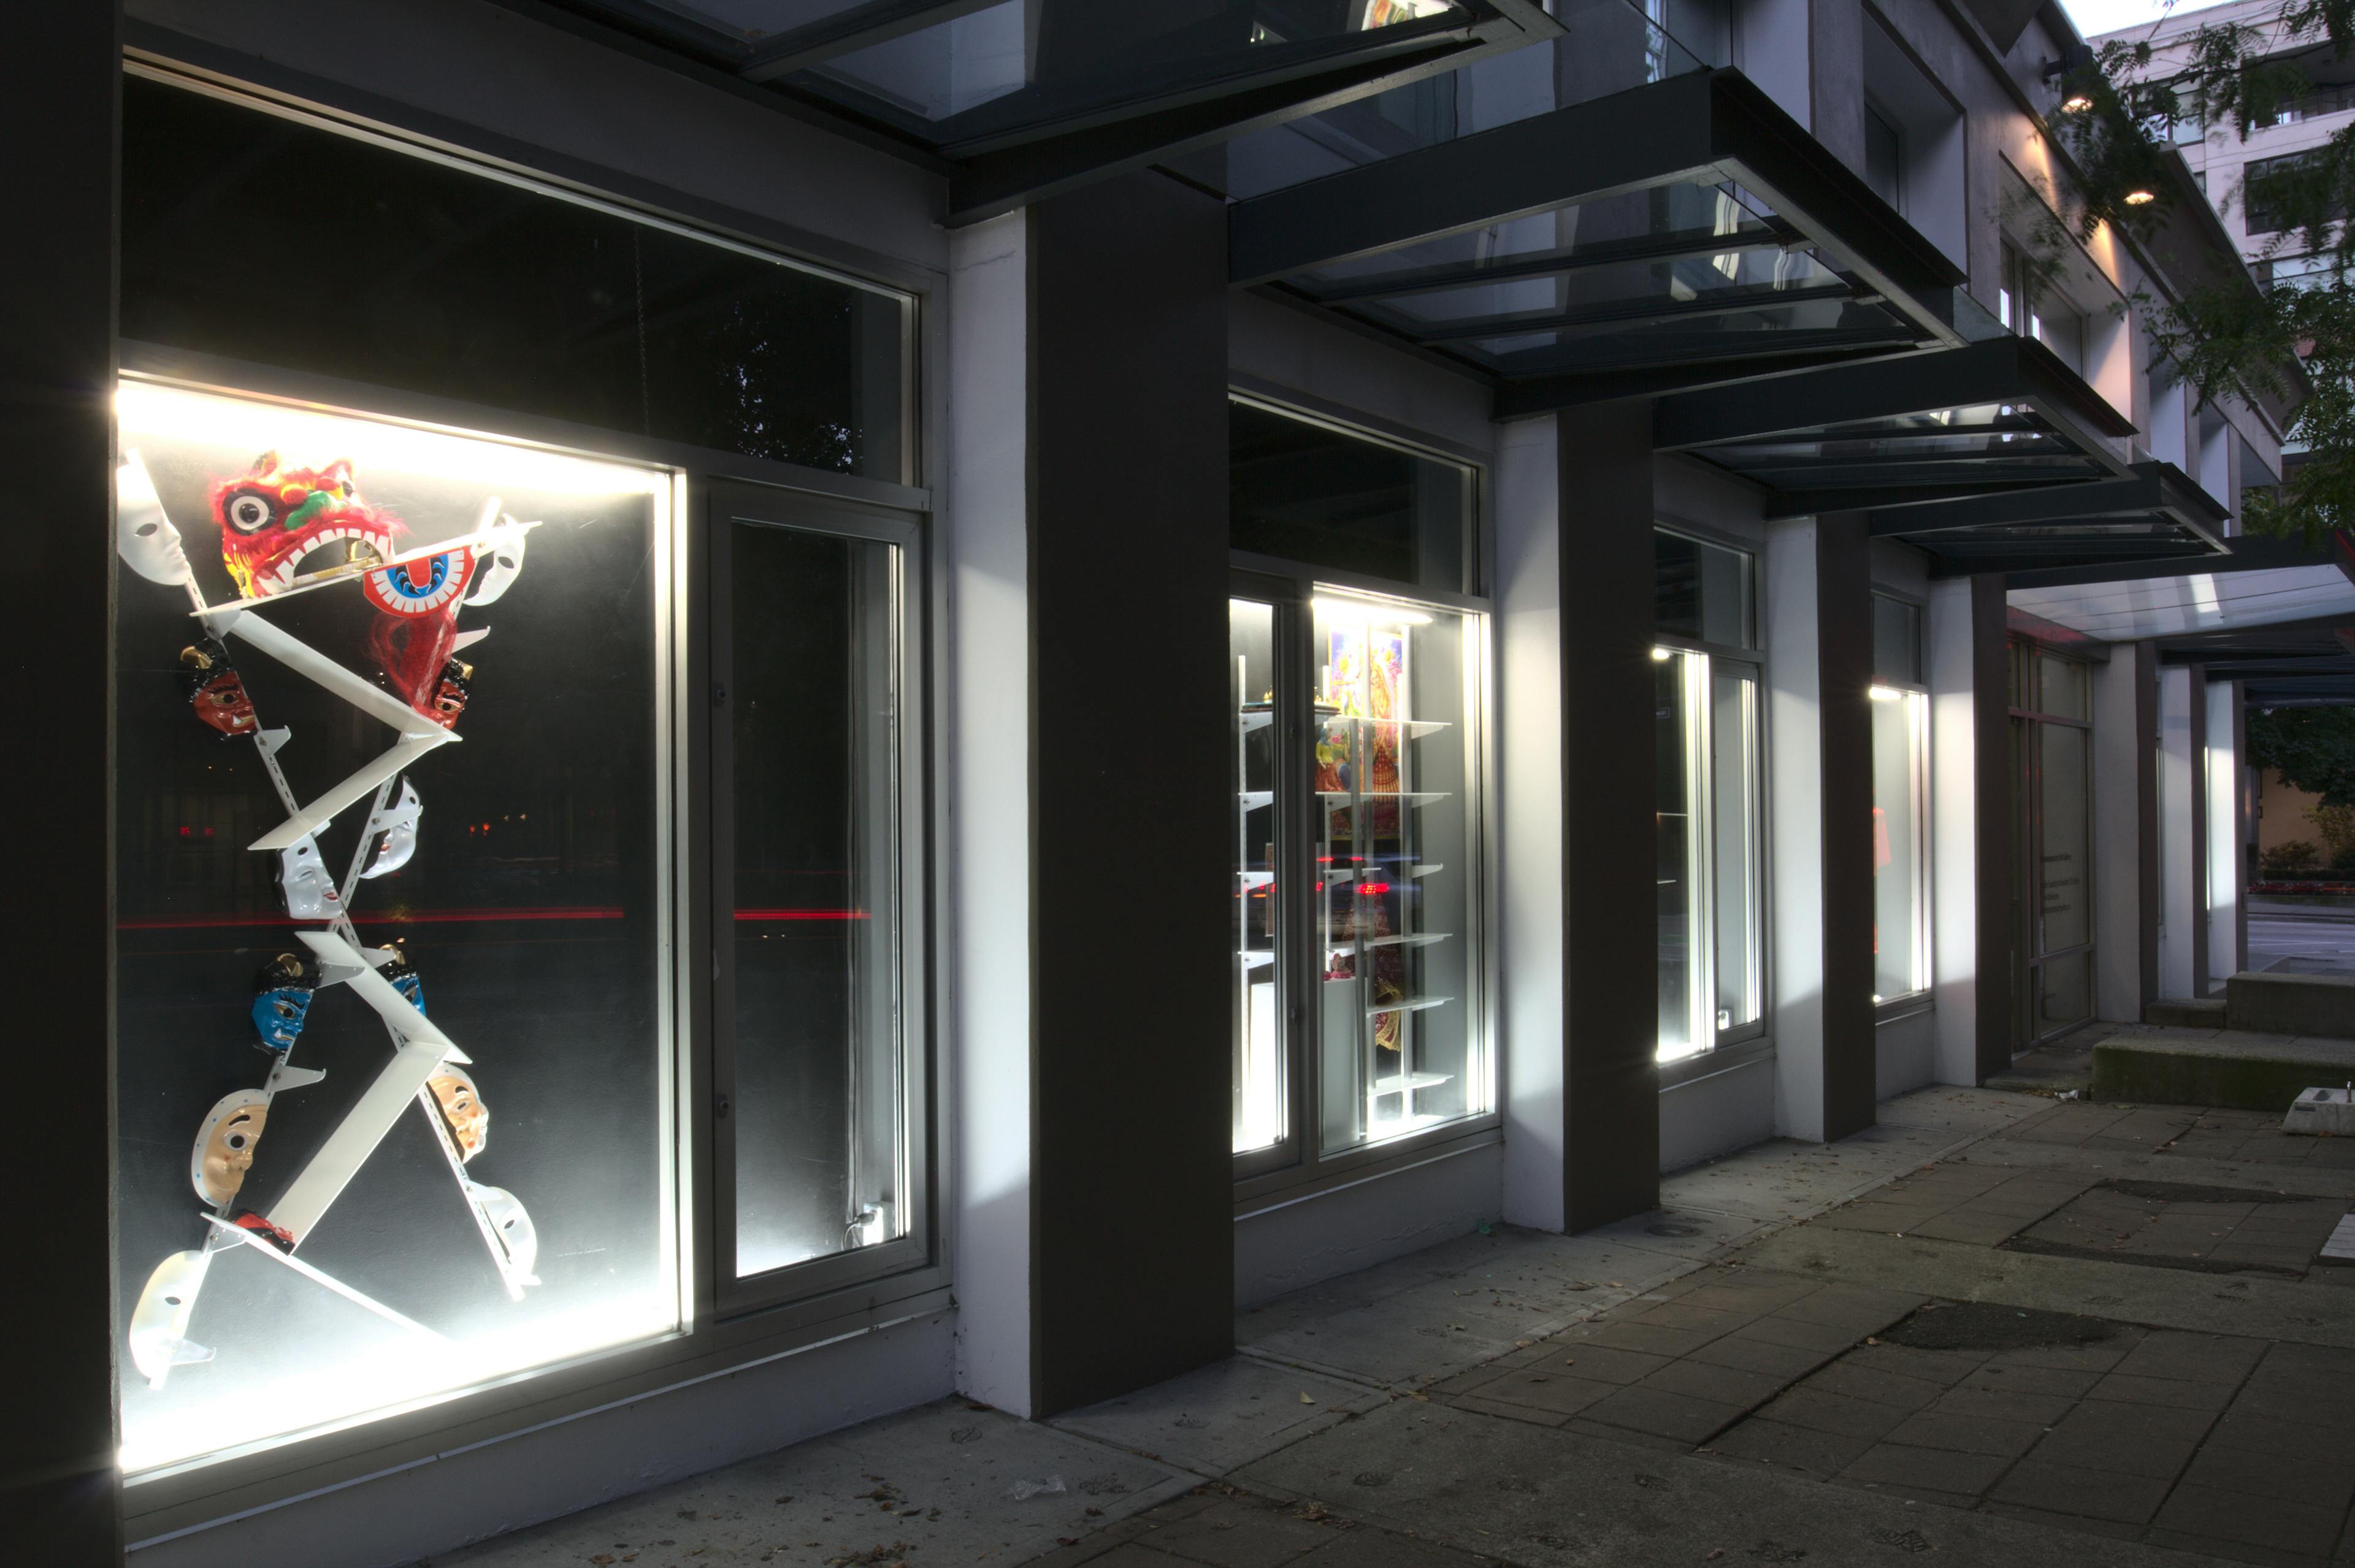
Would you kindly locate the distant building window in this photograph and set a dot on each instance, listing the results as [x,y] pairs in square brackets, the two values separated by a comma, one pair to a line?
[2271,199]
[2300,272]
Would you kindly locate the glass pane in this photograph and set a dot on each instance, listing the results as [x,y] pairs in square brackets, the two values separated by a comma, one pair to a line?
[2063,858]
[1395,911]
[2064,993]
[1737,895]
[1674,830]
[1023,61]
[488,1212]
[448,283]
[1259,1116]
[2063,688]
[1700,591]
[1896,641]
[814,711]
[1309,493]
[1898,909]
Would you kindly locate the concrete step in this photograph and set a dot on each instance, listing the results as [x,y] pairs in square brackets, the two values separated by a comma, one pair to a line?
[2232,1068]
[2186,1012]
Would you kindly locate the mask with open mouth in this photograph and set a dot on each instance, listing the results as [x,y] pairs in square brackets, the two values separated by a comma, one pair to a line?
[274,517]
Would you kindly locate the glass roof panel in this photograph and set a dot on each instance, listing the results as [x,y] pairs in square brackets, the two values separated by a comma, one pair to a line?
[757,21]
[1754,330]
[2196,602]
[1022,62]
[1610,46]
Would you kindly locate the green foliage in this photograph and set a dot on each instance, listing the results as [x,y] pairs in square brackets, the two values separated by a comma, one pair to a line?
[2313,749]
[2286,860]
[2223,341]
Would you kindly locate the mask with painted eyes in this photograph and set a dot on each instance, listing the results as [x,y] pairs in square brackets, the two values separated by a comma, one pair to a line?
[273,519]
[393,831]
[304,880]
[159,1324]
[225,1145]
[215,690]
[281,1002]
[462,1111]
[144,536]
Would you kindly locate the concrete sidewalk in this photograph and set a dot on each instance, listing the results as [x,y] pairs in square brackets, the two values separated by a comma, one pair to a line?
[1997,1327]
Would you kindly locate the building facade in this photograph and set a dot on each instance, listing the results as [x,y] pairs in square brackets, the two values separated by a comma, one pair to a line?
[1430,609]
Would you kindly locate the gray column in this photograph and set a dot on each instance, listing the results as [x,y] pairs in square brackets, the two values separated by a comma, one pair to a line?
[1610,1022]
[59,88]
[1997,825]
[1132,1181]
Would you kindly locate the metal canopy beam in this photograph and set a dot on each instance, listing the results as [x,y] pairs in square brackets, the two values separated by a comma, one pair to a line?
[1624,313]
[1705,125]
[859,27]
[1676,247]
[1568,389]
[1999,370]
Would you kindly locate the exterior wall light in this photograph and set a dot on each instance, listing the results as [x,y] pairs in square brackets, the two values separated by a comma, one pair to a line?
[2076,103]
[2140,198]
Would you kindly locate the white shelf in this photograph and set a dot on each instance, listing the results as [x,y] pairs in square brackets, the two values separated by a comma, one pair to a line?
[1413,939]
[1342,879]
[1248,721]
[1411,1005]
[1255,799]
[1254,879]
[1411,797]
[1255,960]
[1398,1082]
[1413,726]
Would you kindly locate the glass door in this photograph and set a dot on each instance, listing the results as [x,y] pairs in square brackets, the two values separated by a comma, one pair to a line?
[2052,774]
[813,1047]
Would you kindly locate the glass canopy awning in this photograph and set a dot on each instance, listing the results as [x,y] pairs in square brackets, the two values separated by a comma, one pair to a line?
[1894,435]
[2155,515]
[1018,98]
[1683,232]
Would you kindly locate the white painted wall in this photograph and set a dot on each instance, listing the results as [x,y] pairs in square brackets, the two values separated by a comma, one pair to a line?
[988,782]
[2178,796]
[1954,837]
[1529,820]
[1905,1054]
[2225,876]
[1299,1242]
[1717,1114]
[1795,829]
[2119,747]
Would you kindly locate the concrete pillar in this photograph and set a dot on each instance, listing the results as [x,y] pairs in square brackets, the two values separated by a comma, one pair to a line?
[1610,1072]
[2182,936]
[1972,832]
[1132,1180]
[2126,769]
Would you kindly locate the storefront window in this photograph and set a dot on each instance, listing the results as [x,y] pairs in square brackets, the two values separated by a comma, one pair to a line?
[1900,787]
[406,990]
[1709,821]
[1307,491]
[396,1079]
[1358,1011]
[2051,739]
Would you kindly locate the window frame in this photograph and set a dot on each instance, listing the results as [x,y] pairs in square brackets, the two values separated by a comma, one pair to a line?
[1917,699]
[1702,806]
[2024,655]
[1296,1168]
[712,1336]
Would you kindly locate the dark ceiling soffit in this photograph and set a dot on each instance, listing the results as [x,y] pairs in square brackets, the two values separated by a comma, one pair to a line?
[2267,667]
[1999,370]
[1644,313]
[1705,124]
[2333,627]
[2093,554]
[987,184]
